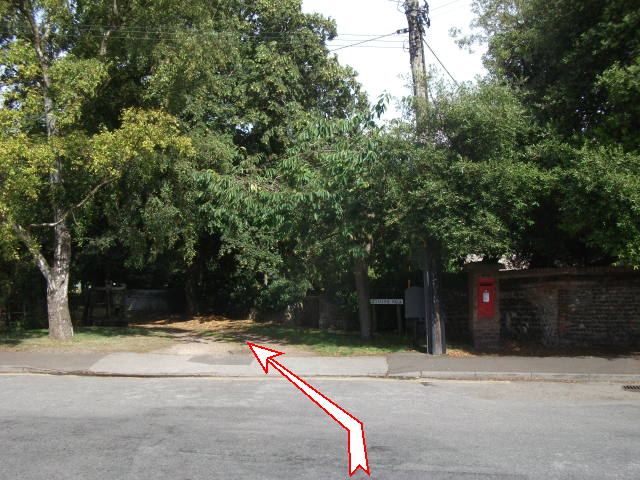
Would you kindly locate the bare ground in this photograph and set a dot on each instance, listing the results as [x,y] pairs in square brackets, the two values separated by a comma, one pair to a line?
[214,335]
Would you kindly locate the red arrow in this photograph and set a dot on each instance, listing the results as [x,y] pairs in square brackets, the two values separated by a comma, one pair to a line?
[357,447]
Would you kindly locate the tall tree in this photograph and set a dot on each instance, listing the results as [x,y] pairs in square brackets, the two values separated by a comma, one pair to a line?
[573,64]
[245,79]
[50,166]
[557,52]
[468,183]
[345,190]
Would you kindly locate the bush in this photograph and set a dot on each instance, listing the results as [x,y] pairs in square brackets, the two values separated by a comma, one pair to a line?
[281,293]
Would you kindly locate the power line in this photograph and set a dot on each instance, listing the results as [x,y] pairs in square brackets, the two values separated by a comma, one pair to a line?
[445,5]
[192,31]
[158,34]
[397,32]
[442,64]
[300,42]
[441,14]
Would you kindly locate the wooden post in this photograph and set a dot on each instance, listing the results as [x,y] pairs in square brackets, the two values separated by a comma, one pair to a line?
[375,318]
[437,313]
[110,312]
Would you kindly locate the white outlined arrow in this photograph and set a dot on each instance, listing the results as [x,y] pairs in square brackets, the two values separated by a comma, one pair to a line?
[357,446]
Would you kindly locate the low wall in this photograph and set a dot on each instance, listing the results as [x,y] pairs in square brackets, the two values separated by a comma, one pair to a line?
[456,313]
[150,300]
[328,314]
[331,316]
[576,306]
[289,316]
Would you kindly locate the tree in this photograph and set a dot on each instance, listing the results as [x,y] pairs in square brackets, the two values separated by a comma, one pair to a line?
[245,78]
[345,187]
[601,201]
[468,182]
[573,65]
[50,165]
[557,52]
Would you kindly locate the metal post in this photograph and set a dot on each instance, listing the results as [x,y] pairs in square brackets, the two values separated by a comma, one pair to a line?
[399,315]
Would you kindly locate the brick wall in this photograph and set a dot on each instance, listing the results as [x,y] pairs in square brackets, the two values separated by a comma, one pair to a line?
[456,313]
[590,306]
[331,316]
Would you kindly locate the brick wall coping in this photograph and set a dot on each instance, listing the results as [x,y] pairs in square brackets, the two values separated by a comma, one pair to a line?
[567,271]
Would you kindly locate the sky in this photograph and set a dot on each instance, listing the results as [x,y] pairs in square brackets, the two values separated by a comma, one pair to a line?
[382,63]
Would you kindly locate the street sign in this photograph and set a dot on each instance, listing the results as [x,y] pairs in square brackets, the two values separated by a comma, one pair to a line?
[387,301]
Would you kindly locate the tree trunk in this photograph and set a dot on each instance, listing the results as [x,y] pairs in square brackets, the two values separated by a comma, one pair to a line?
[60,326]
[361,270]
[193,306]
[194,277]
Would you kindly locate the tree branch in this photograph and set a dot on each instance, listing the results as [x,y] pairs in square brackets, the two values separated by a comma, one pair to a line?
[383,228]
[66,215]
[118,22]
[37,40]
[35,251]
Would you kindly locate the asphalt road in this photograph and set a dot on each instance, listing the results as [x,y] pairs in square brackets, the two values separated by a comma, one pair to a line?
[126,428]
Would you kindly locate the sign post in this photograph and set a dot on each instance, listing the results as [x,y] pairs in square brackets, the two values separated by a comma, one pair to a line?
[385,301]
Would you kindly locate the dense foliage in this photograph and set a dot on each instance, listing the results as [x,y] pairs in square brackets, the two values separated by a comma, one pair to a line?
[219,149]
[574,66]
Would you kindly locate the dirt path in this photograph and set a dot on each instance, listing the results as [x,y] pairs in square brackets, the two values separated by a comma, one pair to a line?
[213,335]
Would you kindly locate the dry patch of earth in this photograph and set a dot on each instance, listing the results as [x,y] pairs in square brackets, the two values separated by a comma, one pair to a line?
[215,335]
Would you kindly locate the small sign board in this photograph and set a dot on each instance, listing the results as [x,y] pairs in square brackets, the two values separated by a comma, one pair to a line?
[414,306]
[387,301]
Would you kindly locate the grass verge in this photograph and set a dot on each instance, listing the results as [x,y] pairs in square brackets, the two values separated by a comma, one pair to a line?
[87,340]
[328,342]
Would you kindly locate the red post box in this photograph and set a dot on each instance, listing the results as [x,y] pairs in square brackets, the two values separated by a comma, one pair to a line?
[486,298]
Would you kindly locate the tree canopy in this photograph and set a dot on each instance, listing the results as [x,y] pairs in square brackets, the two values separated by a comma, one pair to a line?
[220,148]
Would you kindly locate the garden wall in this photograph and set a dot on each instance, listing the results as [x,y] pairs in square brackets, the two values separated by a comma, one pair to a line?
[456,312]
[574,306]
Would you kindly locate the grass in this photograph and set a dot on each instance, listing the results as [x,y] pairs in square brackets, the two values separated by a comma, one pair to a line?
[312,341]
[87,339]
[225,337]
[330,343]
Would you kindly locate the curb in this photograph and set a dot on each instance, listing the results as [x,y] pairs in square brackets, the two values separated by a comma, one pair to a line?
[561,377]
[8,369]
[557,377]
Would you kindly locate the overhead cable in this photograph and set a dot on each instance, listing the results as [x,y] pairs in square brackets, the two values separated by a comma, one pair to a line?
[442,64]
[397,32]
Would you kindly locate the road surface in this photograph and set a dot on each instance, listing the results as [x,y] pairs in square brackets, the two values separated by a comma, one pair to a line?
[57,427]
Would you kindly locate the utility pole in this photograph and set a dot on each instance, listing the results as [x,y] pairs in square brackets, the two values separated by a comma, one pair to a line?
[418,20]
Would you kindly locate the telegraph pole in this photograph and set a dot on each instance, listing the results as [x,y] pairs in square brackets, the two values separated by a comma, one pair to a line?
[418,20]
